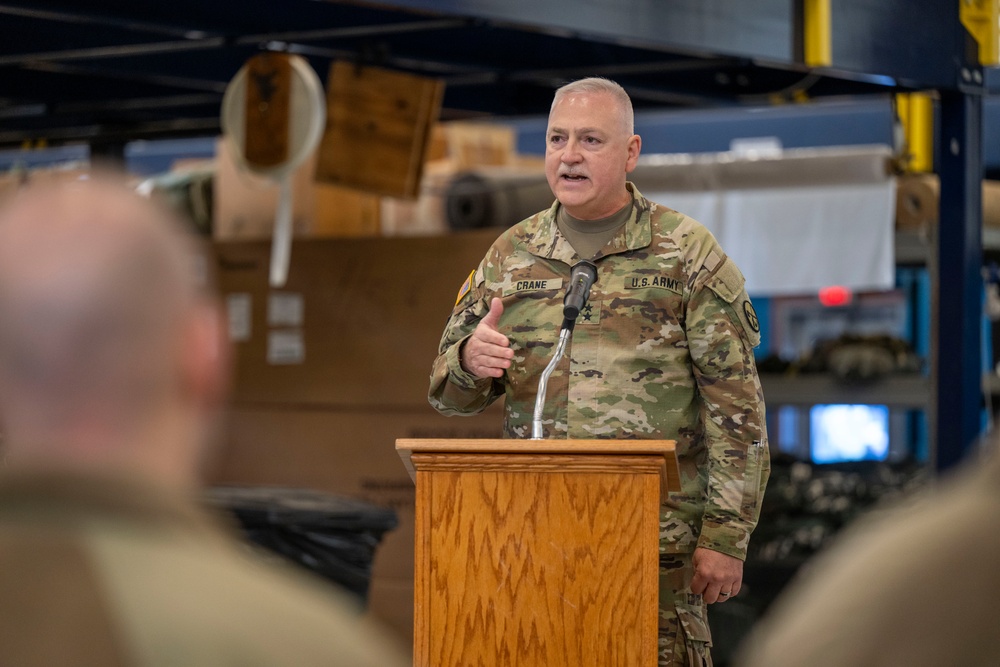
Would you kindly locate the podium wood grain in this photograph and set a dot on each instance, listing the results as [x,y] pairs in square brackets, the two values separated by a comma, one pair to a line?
[535,558]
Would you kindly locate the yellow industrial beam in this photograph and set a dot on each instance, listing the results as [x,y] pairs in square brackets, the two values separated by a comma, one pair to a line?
[982,19]
[816,33]
[916,113]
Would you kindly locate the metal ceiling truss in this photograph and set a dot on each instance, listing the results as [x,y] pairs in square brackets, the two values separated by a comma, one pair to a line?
[144,69]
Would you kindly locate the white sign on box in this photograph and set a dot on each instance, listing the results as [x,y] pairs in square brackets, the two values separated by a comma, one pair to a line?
[285,347]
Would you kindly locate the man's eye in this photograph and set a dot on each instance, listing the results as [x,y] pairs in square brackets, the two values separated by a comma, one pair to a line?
[555,139]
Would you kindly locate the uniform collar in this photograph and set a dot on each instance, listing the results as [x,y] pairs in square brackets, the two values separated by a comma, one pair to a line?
[545,240]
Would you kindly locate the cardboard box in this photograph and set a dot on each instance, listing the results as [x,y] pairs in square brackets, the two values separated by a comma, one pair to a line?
[245,204]
[333,368]
[344,212]
[480,144]
[356,325]
[425,215]
[350,453]
[378,128]
[918,203]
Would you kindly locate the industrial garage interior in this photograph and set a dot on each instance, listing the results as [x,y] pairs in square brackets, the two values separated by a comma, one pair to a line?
[845,154]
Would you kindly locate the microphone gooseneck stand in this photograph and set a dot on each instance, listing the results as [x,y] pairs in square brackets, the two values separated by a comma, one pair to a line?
[582,277]
[536,422]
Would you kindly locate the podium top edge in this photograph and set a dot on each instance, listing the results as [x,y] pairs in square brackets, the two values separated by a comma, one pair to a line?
[543,446]
[667,449]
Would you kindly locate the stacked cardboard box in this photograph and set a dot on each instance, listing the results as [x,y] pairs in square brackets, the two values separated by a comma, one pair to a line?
[333,367]
[245,203]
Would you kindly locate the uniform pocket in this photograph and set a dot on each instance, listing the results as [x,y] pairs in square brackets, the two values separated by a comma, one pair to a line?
[730,286]
[753,471]
[694,622]
[696,635]
[685,637]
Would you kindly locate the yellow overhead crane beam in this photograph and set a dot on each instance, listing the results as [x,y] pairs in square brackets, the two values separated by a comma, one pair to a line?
[982,19]
[916,113]
[916,110]
[816,33]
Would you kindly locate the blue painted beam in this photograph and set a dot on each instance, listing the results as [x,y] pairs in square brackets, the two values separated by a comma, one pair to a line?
[909,42]
[43,157]
[991,135]
[761,29]
[859,121]
[915,42]
[960,250]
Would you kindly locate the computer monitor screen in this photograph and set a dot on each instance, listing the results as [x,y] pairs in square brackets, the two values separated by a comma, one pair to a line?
[839,433]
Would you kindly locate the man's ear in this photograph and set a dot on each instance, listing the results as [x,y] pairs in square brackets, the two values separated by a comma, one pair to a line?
[206,355]
[634,146]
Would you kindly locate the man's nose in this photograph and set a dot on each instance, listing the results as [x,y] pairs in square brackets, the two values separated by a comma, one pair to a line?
[571,153]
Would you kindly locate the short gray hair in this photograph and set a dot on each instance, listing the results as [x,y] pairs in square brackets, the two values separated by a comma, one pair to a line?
[596,84]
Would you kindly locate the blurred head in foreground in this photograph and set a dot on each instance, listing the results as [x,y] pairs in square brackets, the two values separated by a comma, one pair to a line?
[112,368]
[112,357]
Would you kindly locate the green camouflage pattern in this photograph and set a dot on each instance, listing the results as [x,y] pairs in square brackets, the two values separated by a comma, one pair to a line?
[684,637]
[664,350]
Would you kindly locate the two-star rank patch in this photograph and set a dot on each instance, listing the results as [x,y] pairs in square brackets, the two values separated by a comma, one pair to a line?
[589,314]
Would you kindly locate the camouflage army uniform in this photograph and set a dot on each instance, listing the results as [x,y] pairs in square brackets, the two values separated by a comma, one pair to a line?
[663,350]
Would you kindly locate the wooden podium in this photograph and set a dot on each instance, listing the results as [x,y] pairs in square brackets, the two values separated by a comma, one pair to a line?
[537,552]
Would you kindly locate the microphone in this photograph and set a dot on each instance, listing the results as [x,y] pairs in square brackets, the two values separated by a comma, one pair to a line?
[581,279]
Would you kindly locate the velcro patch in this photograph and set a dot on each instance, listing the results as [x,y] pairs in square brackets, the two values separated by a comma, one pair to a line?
[533,286]
[647,281]
[728,281]
[590,314]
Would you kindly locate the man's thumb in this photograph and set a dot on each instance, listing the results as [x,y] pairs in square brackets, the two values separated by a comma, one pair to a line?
[492,319]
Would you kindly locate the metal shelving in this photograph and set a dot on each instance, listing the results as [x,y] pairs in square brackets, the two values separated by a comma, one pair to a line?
[907,391]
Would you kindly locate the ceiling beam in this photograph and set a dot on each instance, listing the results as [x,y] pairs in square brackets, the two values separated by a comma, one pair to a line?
[77,17]
[208,43]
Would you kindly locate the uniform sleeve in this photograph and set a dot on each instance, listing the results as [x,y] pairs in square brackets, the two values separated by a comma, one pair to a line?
[452,390]
[722,332]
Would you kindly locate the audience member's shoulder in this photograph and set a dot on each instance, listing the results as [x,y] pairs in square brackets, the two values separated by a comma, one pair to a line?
[325,624]
[338,621]
[222,603]
[903,585]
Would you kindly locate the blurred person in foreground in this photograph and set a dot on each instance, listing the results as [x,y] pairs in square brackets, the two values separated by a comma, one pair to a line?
[113,370]
[911,585]
[662,350]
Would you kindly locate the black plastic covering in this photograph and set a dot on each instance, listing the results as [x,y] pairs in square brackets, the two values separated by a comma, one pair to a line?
[334,537]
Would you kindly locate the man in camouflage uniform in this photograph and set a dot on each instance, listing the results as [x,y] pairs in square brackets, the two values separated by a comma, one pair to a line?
[663,349]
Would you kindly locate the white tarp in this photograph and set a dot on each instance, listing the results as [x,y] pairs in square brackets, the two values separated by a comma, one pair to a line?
[789,231]
[798,240]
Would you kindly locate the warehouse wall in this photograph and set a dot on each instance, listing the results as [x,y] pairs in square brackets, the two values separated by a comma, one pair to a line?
[333,367]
